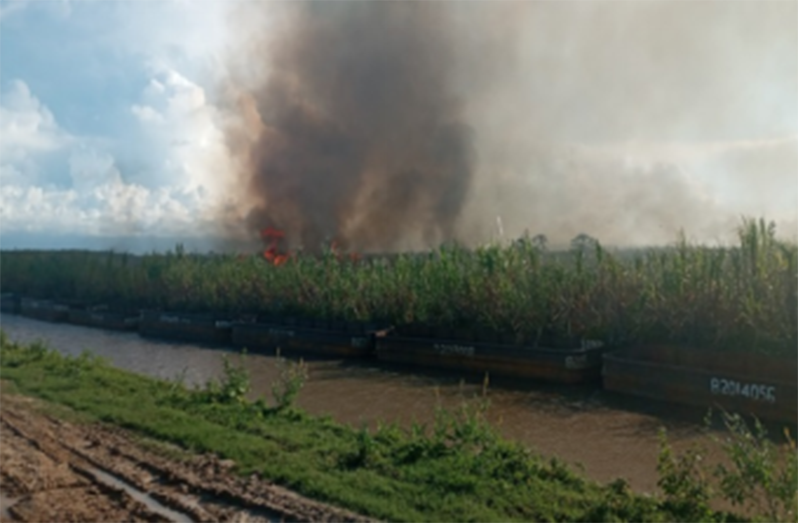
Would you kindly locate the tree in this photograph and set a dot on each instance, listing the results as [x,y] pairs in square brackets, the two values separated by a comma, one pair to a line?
[583,241]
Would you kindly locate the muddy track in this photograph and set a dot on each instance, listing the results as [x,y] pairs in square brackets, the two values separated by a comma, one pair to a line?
[52,470]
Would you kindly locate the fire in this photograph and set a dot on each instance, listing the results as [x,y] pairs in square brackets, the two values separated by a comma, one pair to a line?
[271,237]
[339,254]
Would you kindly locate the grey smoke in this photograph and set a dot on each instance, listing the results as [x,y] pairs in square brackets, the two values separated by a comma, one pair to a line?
[403,124]
[355,132]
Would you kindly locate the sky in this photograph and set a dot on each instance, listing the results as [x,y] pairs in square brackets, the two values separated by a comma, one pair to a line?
[107,128]
[638,118]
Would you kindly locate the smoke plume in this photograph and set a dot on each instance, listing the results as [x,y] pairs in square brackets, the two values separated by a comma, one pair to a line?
[354,133]
[399,125]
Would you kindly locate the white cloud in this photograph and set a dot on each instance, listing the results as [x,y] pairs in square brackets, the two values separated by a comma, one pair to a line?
[90,169]
[26,125]
[154,88]
[97,200]
[146,114]
[159,177]
[196,158]
[112,208]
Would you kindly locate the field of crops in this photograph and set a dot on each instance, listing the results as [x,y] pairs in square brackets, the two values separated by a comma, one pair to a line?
[728,298]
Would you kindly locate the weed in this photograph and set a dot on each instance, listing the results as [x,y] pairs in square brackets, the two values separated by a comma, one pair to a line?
[233,386]
[14,355]
[292,377]
[177,386]
[763,476]
[684,481]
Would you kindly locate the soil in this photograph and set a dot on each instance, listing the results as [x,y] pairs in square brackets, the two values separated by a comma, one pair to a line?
[54,470]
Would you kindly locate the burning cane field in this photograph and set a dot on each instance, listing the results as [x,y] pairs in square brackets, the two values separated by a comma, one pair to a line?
[407,261]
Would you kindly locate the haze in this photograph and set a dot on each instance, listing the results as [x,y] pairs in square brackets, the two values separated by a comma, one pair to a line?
[624,120]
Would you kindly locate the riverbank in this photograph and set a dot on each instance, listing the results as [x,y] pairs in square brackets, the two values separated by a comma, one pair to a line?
[58,470]
[607,436]
[459,469]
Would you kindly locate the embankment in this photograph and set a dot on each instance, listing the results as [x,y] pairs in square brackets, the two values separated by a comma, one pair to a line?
[458,469]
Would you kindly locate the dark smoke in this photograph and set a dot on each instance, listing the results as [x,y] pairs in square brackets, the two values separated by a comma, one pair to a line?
[354,132]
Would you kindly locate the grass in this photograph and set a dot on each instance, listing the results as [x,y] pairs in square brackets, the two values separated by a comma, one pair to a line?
[457,469]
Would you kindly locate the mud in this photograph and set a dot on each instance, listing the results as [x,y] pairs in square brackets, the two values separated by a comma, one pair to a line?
[53,470]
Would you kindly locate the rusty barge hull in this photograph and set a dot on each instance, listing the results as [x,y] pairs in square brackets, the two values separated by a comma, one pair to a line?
[569,366]
[746,383]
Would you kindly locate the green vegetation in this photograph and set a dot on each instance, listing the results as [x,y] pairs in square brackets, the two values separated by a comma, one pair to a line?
[761,477]
[458,469]
[729,298]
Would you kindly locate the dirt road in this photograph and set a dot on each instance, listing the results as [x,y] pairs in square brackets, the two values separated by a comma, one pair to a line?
[55,471]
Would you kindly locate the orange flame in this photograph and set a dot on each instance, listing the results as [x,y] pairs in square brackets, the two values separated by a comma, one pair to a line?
[271,237]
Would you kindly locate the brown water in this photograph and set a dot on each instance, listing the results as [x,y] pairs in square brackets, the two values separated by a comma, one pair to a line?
[609,435]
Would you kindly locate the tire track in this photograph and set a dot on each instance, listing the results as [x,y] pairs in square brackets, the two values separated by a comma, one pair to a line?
[114,479]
